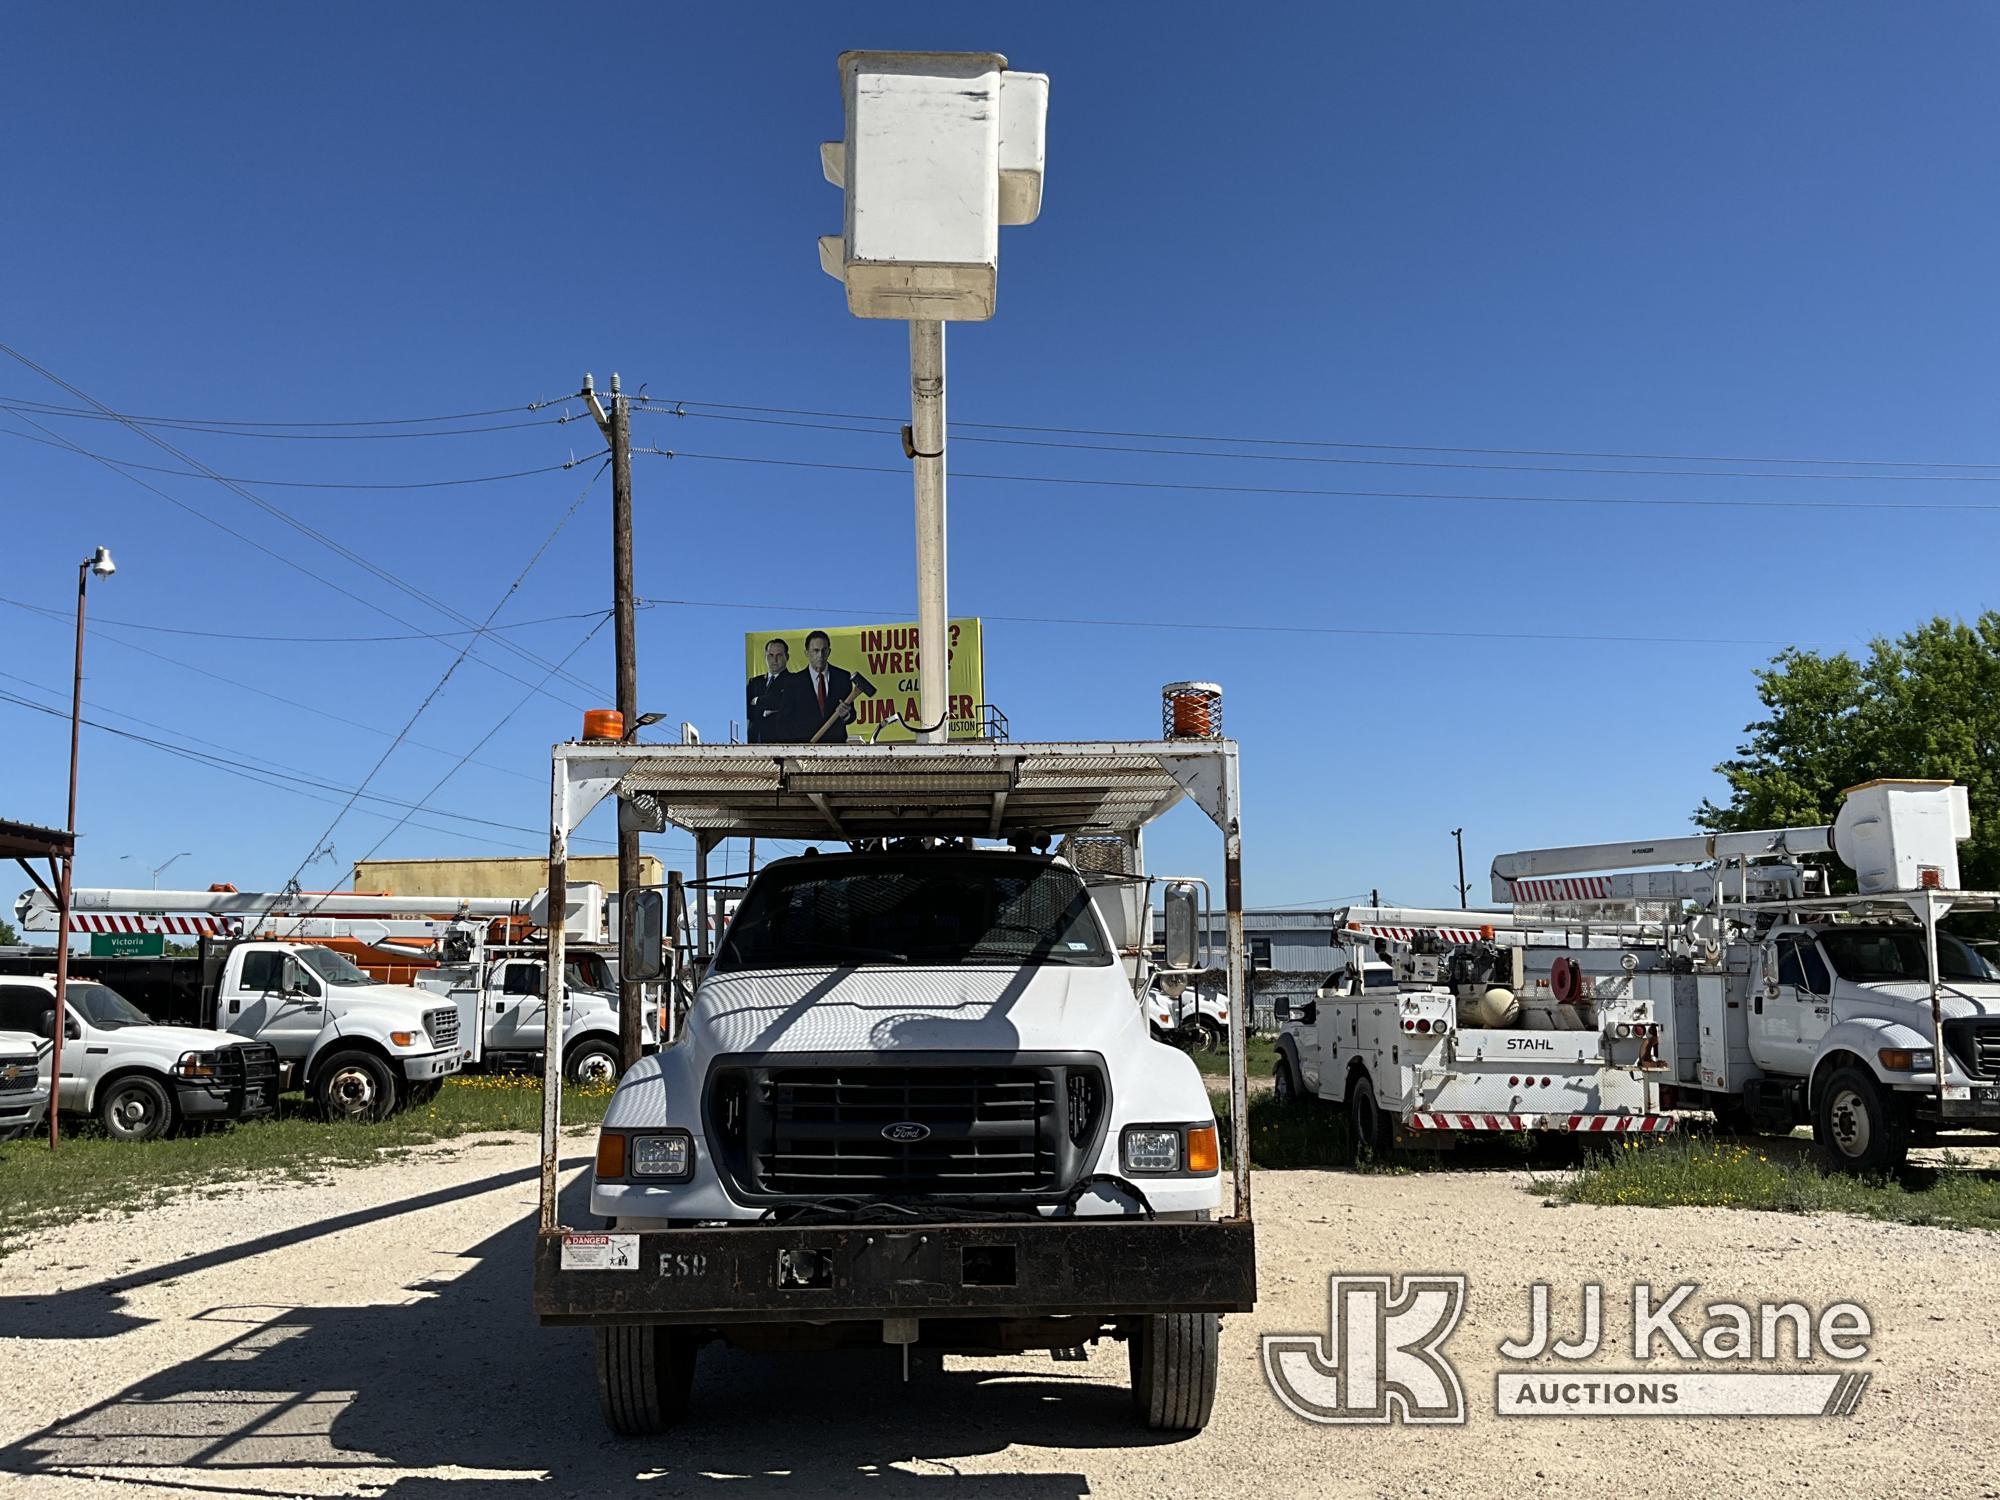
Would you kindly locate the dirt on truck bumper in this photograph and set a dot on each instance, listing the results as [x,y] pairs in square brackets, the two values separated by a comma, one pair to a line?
[858,1272]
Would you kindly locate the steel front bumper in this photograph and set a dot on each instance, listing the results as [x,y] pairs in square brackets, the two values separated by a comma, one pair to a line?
[200,1102]
[431,1065]
[847,1273]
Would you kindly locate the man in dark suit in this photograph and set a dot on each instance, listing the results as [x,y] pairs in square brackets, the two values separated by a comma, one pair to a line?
[820,693]
[769,700]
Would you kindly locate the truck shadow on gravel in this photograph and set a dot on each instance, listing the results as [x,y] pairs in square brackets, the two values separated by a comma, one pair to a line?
[462,1378]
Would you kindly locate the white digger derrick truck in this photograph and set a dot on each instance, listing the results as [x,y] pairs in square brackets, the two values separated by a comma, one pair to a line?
[915,1101]
[1781,1002]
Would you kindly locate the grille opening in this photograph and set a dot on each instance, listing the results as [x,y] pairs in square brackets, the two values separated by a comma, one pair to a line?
[1084,1101]
[986,1265]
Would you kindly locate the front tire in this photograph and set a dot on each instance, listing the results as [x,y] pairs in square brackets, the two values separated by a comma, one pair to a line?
[1174,1358]
[592,1063]
[1857,1126]
[645,1374]
[1285,1090]
[356,1087]
[135,1108]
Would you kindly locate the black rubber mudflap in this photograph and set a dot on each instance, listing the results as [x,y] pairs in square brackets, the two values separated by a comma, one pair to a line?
[1174,1358]
[644,1376]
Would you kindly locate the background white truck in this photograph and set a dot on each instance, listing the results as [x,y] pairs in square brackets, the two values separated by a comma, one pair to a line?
[139,1079]
[504,1011]
[1782,1002]
[359,1049]
[916,1101]
[24,1089]
[1432,1034]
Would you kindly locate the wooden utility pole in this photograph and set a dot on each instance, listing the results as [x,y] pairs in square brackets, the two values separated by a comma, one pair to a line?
[616,425]
[1459,835]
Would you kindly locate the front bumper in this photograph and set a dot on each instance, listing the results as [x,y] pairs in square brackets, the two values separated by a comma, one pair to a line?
[861,1272]
[20,1113]
[198,1101]
[432,1065]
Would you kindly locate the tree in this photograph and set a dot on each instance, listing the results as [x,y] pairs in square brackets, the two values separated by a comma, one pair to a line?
[1927,705]
[8,936]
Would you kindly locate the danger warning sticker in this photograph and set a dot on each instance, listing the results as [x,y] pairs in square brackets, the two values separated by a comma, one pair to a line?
[600,1252]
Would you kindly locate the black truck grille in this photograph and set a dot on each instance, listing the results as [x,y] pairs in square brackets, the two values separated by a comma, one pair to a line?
[952,1128]
[253,1065]
[19,1074]
[1976,1045]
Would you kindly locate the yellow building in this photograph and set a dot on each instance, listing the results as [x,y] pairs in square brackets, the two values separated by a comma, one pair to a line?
[518,879]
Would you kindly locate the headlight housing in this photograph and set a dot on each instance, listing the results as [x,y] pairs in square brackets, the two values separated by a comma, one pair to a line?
[403,1038]
[664,1157]
[196,1065]
[1170,1150]
[1908,1060]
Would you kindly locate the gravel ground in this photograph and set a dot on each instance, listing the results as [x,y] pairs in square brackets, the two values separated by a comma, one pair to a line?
[371,1336]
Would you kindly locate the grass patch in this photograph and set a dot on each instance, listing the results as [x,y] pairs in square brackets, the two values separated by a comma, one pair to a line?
[1709,1173]
[1261,1055]
[91,1174]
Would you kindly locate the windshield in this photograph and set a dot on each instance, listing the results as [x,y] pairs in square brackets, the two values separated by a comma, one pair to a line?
[1891,954]
[931,909]
[332,967]
[104,1008]
[589,971]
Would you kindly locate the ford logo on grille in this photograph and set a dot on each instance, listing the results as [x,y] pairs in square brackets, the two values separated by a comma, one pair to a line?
[906,1131]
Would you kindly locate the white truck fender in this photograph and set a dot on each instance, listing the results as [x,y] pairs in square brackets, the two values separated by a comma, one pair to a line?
[1863,1038]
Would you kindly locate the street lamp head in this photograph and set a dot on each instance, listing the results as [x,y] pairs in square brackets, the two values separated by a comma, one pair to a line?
[101,564]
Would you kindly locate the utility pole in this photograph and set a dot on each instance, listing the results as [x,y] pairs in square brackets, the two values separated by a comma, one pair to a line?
[616,425]
[1459,835]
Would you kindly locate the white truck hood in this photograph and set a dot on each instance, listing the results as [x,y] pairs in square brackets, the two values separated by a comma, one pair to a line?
[1959,999]
[175,1038]
[956,1009]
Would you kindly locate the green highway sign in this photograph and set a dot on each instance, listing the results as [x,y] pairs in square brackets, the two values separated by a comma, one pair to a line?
[127,945]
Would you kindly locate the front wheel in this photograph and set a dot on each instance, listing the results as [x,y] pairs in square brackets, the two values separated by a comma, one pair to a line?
[1174,1358]
[1856,1125]
[354,1086]
[645,1374]
[1207,1036]
[1285,1090]
[135,1108]
[592,1063]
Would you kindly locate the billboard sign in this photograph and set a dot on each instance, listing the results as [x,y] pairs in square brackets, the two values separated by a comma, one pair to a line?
[838,683]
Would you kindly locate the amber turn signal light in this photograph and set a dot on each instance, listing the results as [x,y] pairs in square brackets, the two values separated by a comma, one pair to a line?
[610,1155]
[1204,1153]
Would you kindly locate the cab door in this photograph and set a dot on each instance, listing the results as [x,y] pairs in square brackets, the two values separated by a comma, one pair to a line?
[516,1012]
[269,995]
[1788,1019]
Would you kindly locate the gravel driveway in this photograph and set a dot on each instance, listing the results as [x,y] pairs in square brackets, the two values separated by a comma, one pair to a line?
[371,1336]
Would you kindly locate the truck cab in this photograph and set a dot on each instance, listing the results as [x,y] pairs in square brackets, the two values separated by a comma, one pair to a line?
[1840,1025]
[139,1079]
[503,1010]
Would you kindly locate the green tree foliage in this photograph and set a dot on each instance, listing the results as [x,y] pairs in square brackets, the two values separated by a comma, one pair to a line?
[8,936]
[1927,705]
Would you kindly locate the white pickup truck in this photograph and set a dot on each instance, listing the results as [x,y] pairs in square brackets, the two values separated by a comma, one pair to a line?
[140,1080]
[504,1013]
[360,1050]
[24,1095]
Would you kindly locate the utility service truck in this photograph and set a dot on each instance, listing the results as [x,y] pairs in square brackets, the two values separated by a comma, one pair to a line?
[916,1100]
[360,1050]
[139,1079]
[1779,1000]
[1424,1034]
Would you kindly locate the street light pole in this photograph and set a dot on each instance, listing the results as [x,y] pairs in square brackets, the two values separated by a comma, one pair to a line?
[1458,834]
[163,868]
[99,562]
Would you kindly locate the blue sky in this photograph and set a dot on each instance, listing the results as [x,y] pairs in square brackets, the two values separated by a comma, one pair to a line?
[1681,230]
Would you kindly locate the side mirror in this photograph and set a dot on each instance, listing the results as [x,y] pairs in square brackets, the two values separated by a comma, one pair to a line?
[1770,966]
[45,1025]
[1181,912]
[1282,1009]
[642,936]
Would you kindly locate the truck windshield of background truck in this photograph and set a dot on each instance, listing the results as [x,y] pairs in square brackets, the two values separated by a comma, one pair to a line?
[942,910]
[1880,955]
[332,967]
[104,1008]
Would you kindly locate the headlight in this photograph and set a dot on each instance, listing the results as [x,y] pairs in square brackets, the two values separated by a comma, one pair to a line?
[1905,1060]
[403,1038]
[1151,1148]
[195,1065]
[669,1156]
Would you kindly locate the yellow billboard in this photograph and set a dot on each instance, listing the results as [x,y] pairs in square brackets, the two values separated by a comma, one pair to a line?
[837,683]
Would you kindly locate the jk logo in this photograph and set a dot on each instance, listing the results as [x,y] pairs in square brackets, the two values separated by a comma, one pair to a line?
[1380,1359]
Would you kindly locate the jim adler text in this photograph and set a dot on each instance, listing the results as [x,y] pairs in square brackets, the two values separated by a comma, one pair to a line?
[1671,1324]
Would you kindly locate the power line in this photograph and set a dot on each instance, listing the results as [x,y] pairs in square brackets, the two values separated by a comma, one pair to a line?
[53,409]
[1214,625]
[311,708]
[278,512]
[306,640]
[660,405]
[294,484]
[1186,487]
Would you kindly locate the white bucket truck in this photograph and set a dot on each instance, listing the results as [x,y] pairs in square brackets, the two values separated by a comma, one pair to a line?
[916,1099]
[1781,1003]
